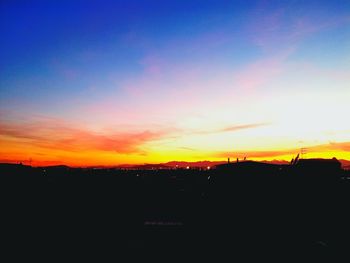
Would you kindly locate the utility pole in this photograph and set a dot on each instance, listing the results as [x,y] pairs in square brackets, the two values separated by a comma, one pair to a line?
[302,152]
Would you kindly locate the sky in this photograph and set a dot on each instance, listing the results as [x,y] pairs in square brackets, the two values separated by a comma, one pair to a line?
[128,82]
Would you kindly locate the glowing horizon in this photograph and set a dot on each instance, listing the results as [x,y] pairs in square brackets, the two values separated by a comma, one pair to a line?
[147,82]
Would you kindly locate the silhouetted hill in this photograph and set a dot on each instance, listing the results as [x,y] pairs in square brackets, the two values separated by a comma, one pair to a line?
[173,164]
[198,164]
[276,162]
[13,165]
[184,164]
[149,166]
[56,167]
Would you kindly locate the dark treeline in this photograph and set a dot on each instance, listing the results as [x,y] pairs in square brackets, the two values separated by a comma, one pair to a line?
[247,210]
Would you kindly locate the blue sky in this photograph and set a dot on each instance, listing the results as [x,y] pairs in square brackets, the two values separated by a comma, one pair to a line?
[175,68]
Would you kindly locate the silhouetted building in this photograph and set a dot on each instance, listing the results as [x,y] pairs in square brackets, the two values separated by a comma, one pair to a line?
[318,168]
[249,167]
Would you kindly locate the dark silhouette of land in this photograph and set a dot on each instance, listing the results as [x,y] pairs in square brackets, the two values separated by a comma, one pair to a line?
[237,210]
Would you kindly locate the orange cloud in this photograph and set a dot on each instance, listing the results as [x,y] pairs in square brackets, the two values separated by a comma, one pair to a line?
[335,148]
[243,127]
[58,135]
[44,141]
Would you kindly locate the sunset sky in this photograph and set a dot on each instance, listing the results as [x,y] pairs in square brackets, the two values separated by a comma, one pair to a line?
[125,82]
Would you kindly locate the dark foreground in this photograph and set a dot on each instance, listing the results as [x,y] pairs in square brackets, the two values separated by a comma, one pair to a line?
[76,214]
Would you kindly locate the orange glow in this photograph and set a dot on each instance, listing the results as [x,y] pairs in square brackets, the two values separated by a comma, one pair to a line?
[87,153]
[257,80]
[214,137]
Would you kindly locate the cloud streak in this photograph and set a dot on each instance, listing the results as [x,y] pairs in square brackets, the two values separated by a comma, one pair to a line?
[60,136]
[269,29]
[233,128]
[243,127]
[330,147]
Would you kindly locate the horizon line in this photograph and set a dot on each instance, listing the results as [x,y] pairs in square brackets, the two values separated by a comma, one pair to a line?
[25,163]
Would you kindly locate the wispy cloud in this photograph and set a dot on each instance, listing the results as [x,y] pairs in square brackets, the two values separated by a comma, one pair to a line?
[287,26]
[256,154]
[233,128]
[243,127]
[332,146]
[187,148]
[338,146]
[61,136]
[259,73]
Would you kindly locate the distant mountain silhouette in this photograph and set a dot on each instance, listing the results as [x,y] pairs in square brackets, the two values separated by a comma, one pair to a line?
[150,166]
[199,164]
[172,164]
[56,167]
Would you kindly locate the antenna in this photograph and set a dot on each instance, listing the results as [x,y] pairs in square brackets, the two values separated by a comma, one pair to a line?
[302,152]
